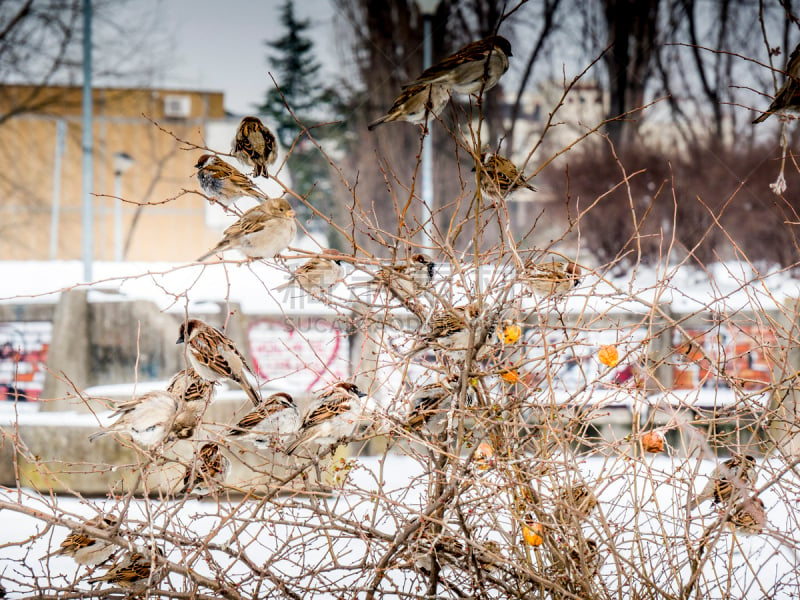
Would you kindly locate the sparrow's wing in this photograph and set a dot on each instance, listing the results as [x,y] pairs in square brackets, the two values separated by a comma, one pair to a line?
[475,52]
[252,220]
[206,346]
[793,64]
[332,406]
[445,323]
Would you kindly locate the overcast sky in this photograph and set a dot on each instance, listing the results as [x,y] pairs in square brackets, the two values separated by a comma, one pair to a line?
[219,46]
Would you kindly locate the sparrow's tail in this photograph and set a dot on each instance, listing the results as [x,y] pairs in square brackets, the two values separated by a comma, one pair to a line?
[762,117]
[215,250]
[251,392]
[377,122]
[691,503]
[97,434]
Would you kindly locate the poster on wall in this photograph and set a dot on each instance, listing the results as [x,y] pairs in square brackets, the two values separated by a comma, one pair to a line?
[307,356]
[23,356]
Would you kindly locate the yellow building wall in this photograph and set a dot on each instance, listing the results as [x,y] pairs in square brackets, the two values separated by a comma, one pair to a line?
[169,222]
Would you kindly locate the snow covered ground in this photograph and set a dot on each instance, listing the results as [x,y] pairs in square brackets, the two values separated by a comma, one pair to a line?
[640,527]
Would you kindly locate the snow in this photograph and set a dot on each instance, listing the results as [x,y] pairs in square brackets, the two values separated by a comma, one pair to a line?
[640,515]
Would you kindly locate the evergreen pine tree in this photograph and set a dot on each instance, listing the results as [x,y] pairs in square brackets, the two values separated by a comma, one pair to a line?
[296,72]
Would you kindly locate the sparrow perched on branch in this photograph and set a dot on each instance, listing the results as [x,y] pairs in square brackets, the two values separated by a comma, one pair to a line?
[275,416]
[223,182]
[431,403]
[209,471]
[407,279]
[263,231]
[133,570]
[147,419]
[254,145]
[193,394]
[85,549]
[477,65]
[552,278]
[414,104]
[499,176]
[214,356]
[333,416]
[788,97]
[450,330]
[735,476]
[318,273]
[748,517]
[576,500]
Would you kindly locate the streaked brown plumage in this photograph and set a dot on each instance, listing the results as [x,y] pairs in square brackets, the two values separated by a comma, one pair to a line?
[431,402]
[499,176]
[552,278]
[749,517]
[318,273]
[734,477]
[788,96]
[477,65]
[223,182]
[132,571]
[276,416]
[408,279]
[333,416]
[194,394]
[414,103]
[255,145]
[85,549]
[209,471]
[575,501]
[263,231]
[214,356]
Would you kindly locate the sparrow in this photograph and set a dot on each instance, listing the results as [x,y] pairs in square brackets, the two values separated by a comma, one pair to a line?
[254,145]
[414,104]
[209,471]
[132,571]
[275,416]
[147,419]
[788,97]
[450,329]
[319,273]
[332,416]
[223,182]
[727,479]
[749,517]
[452,550]
[431,403]
[408,279]
[477,65]
[193,394]
[577,500]
[499,176]
[552,278]
[214,356]
[85,549]
[263,231]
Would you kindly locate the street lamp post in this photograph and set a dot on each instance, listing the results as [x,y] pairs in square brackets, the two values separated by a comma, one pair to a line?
[121,163]
[428,10]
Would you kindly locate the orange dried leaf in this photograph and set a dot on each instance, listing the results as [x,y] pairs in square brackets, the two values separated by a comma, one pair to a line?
[509,333]
[532,532]
[652,441]
[608,355]
[510,376]
[483,455]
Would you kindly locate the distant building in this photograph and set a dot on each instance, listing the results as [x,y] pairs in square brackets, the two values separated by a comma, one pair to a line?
[156,128]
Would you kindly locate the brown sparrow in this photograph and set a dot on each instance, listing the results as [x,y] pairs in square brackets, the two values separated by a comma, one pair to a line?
[275,417]
[147,419]
[414,103]
[214,356]
[263,231]
[319,273]
[132,571]
[254,145]
[576,500]
[223,182]
[735,476]
[477,65]
[749,517]
[209,471]
[499,176]
[332,416]
[85,549]
[552,278]
[193,394]
[788,97]
[431,403]
[407,279]
[450,330]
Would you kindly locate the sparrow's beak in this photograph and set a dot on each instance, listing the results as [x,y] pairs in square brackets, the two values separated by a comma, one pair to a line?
[180,339]
[359,393]
[291,213]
